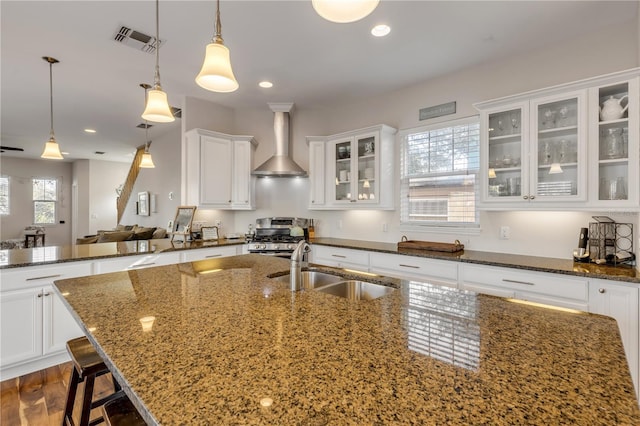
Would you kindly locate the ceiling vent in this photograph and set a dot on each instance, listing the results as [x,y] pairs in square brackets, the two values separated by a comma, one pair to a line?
[177,112]
[137,40]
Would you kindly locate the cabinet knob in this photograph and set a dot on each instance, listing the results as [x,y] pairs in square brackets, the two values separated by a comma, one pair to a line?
[46,294]
[601,290]
[229,201]
[313,201]
[526,197]
[532,197]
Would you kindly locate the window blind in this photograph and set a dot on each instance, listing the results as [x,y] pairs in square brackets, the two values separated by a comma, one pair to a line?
[439,174]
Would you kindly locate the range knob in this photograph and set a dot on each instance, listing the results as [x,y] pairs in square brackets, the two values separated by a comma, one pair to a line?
[276,246]
[263,246]
[290,246]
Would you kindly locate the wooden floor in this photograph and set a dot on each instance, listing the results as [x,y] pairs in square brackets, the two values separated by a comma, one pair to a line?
[38,399]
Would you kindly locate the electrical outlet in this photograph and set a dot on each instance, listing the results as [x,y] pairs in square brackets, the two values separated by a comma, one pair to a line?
[505,232]
[339,224]
[385,227]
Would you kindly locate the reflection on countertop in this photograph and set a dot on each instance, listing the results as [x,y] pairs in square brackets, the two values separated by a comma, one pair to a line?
[517,261]
[229,345]
[59,254]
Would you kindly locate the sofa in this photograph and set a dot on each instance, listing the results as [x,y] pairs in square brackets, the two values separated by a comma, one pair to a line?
[124,233]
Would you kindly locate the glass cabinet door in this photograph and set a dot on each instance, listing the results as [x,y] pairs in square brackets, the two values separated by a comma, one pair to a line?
[344,172]
[613,142]
[365,187]
[505,153]
[557,150]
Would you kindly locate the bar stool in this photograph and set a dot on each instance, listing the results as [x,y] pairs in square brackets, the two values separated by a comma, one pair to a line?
[121,412]
[87,365]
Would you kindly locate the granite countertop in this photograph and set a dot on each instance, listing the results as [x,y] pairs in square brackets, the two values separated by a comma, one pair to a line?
[229,345]
[59,254]
[531,263]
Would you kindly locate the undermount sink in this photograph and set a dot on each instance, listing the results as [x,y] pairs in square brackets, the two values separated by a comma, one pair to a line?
[339,286]
[356,290]
[313,279]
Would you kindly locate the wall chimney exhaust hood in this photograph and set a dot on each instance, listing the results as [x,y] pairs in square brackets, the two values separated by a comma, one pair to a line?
[280,164]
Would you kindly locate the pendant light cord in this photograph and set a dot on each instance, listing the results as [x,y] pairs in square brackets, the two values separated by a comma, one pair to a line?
[217,38]
[156,83]
[51,135]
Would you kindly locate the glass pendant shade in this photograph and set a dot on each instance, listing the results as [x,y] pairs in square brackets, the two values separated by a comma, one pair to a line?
[146,162]
[52,150]
[344,11]
[216,73]
[157,109]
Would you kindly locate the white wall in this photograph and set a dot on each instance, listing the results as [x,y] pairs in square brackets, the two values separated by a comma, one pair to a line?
[162,182]
[550,234]
[20,172]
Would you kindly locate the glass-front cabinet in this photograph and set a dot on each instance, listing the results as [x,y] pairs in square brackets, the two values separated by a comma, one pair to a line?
[614,132]
[359,169]
[533,150]
[356,169]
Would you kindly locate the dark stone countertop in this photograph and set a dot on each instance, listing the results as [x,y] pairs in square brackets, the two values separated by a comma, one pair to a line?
[228,345]
[59,254]
[531,263]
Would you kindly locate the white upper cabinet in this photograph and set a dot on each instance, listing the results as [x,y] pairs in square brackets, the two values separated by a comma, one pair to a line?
[537,147]
[352,170]
[217,170]
[613,132]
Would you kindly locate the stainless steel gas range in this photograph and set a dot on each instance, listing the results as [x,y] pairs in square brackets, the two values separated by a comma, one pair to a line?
[278,236]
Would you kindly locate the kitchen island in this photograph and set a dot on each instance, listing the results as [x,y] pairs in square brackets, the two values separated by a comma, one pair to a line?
[220,342]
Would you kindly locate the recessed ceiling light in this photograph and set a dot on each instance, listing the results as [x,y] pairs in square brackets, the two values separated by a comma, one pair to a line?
[90,130]
[381,30]
[265,84]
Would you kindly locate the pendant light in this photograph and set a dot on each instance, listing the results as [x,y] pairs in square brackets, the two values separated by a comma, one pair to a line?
[51,148]
[146,162]
[344,11]
[157,108]
[216,73]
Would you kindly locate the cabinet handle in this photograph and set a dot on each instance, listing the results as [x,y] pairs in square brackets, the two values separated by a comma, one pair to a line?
[46,294]
[339,255]
[409,266]
[532,197]
[141,265]
[601,290]
[353,201]
[42,278]
[212,255]
[517,282]
[526,197]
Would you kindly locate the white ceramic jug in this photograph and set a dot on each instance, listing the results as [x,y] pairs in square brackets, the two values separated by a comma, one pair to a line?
[612,109]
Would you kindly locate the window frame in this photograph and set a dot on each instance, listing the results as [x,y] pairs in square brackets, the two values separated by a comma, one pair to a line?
[470,228]
[8,194]
[38,200]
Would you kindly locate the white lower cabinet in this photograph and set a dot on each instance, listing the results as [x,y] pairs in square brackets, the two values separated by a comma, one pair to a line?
[434,271]
[620,301]
[34,323]
[210,253]
[340,257]
[539,287]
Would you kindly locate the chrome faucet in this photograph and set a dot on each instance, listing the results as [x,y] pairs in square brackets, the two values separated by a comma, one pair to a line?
[297,259]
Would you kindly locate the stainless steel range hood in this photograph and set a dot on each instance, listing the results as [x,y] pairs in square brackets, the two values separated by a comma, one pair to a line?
[280,164]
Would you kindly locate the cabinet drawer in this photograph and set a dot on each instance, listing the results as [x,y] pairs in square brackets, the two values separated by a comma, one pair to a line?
[37,276]
[411,267]
[208,253]
[136,262]
[340,257]
[526,283]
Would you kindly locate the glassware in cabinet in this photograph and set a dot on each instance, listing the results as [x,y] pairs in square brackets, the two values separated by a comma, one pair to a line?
[505,153]
[366,188]
[343,171]
[557,139]
[613,142]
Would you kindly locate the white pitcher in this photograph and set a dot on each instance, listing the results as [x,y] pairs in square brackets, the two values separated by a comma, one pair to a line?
[612,109]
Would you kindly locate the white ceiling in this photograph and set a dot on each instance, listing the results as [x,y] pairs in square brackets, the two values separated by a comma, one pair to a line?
[311,62]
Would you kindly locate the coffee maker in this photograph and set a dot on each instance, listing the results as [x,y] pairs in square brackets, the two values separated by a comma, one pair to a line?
[581,254]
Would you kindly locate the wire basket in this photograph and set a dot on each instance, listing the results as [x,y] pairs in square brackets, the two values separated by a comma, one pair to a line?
[611,241]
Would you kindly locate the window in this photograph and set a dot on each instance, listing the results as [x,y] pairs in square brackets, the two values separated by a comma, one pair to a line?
[4,195]
[45,196]
[439,174]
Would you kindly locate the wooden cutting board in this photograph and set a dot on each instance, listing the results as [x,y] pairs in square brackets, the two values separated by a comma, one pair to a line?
[432,246]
